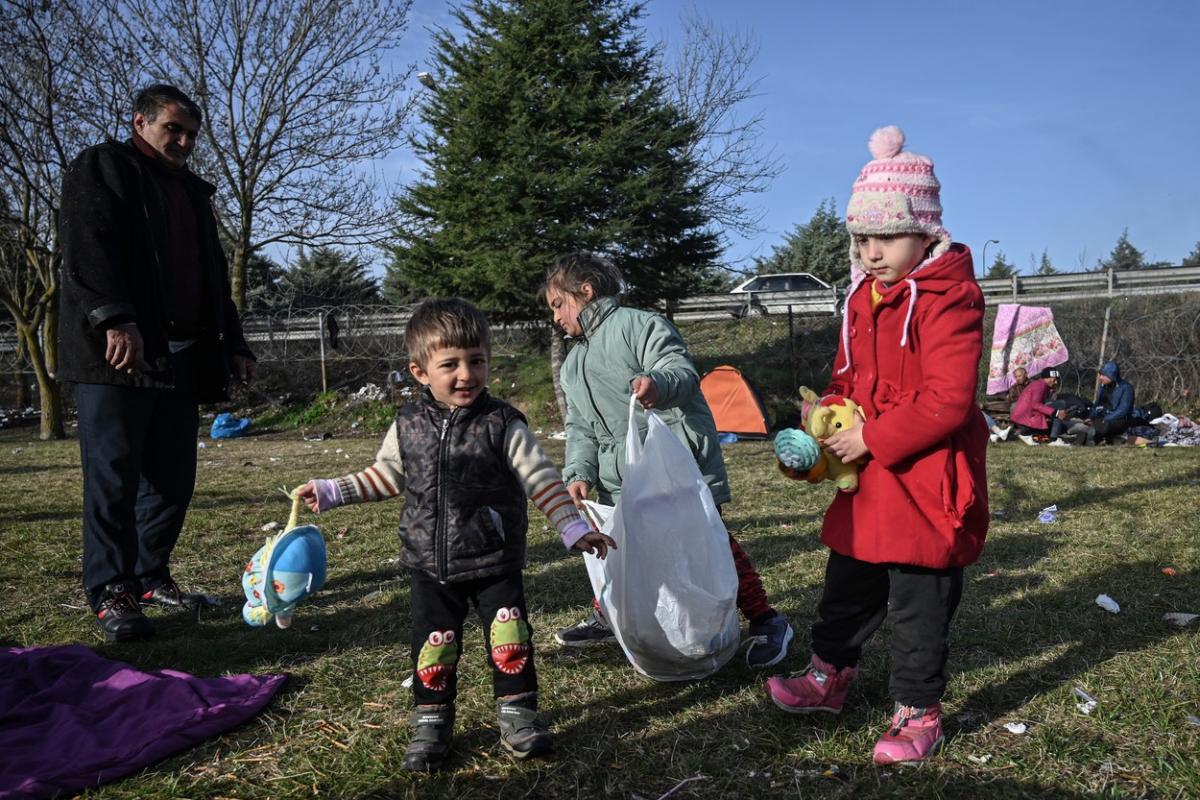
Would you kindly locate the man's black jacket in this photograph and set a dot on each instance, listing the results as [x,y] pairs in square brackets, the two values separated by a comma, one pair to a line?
[113,230]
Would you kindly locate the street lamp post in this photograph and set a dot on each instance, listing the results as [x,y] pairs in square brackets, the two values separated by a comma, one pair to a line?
[983,259]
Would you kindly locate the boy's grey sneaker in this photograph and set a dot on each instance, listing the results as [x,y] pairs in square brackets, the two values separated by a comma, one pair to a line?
[522,732]
[768,642]
[433,731]
[591,630]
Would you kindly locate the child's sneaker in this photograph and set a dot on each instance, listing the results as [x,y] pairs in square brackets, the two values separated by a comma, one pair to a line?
[820,687]
[587,632]
[914,735]
[433,731]
[768,641]
[1029,440]
[522,732]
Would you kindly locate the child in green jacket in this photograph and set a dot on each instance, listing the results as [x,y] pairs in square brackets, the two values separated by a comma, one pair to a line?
[621,351]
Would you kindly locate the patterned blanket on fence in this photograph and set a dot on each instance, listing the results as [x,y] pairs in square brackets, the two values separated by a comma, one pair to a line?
[1024,336]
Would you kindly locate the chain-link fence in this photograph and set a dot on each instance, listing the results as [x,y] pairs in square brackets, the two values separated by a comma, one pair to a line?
[1155,339]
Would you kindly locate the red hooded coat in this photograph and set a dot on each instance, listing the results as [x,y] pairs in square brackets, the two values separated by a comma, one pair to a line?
[922,494]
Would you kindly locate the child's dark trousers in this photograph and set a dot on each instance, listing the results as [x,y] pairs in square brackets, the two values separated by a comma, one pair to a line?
[439,609]
[921,602]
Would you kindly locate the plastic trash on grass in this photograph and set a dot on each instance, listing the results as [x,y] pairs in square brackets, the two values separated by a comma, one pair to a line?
[1089,703]
[1049,514]
[1108,604]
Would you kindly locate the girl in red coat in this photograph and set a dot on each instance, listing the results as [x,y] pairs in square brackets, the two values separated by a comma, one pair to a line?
[911,340]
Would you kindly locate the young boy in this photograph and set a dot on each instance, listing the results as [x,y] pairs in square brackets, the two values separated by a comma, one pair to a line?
[911,339]
[465,462]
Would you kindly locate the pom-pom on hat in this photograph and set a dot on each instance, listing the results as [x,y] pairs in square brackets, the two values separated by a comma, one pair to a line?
[896,193]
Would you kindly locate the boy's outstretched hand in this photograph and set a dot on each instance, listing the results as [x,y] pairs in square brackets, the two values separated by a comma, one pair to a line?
[596,543]
[320,495]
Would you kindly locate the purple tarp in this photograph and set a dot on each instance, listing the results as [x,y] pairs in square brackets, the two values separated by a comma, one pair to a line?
[70,719]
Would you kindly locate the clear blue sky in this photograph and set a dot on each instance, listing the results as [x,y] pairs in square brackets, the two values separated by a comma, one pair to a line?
[1053,125]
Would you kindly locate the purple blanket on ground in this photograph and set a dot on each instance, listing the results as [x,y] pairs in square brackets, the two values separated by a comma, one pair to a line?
[70,719]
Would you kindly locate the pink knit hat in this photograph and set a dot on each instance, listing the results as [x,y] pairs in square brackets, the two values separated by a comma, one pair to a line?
[896,192]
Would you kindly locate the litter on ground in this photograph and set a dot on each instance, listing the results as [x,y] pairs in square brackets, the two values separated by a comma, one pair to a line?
[1089,703]
[1182,620]
[1108,604]
[1048,514]
[270,526]
[1016,727]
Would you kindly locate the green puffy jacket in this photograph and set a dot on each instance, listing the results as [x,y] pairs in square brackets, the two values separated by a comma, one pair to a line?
[618,345]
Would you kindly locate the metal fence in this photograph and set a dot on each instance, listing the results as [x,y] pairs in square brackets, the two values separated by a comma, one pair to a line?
[1156,339]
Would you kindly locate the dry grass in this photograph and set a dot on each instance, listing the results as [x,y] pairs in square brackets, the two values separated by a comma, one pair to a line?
[1027,633]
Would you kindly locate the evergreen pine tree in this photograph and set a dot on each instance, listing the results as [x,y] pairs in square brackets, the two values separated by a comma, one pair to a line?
[820,246]
[548,131]
[1123,256]
[1192,259]
[1044,266]
[1000,268]
[324,276]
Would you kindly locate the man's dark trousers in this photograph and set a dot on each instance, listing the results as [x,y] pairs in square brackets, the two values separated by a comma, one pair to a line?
[138,448]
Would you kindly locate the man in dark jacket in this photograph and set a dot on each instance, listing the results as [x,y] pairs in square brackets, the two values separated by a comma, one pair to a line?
[147,331]
[1113,411]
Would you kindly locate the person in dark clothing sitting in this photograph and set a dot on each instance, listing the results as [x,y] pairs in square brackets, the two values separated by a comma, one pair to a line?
[1113,410]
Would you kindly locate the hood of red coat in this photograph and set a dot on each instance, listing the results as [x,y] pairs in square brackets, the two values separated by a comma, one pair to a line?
[938,276]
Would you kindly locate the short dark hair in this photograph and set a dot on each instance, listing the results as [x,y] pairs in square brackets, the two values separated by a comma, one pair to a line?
[150,101]
[445,322]
[572,270]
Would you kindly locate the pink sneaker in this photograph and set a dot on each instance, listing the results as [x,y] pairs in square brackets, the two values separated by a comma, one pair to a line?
[915,735]
[820,687]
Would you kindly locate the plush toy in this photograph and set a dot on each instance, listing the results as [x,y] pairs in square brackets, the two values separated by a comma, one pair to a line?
[284,571]
[799,454]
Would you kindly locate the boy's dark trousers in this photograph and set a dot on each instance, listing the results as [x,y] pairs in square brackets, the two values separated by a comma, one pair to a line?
[138,448]
[859,595]
[440,607]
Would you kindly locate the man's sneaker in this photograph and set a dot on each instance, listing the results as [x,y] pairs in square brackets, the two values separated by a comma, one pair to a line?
[590,631]
[1027,440]
[1059,443]
[768,642]
[169,595]
[433,732]
[1003,432]
[522,732]
[995,437]
[914,735]
[120,616]
[820,687]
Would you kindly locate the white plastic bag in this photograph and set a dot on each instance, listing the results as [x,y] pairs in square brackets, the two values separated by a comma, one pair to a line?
[670,589]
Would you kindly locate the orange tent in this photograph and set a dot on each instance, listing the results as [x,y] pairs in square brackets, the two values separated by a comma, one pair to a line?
[735,404]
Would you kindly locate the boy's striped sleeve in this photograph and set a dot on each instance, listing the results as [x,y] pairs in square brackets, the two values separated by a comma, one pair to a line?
[383,480]
[543,485]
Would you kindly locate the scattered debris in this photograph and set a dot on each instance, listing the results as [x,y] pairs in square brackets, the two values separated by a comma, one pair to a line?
[367,393]
[560,435]
[201,445]
[1016,727]
[1108,604]
[1193,720]
[1049,514]
[353,425]
[980,760]
[1089,703]
[341,533]
[270,526]
[318,437]
[1169,572]
[1182,620]
[339,450]
[407,682]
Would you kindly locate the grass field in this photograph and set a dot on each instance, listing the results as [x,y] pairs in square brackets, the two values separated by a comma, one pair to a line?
[1027,633]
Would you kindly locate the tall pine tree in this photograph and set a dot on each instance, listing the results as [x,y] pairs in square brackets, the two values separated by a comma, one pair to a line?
[820,246]
[1192,259]
[1123,256]
[1000,268]
[548,130]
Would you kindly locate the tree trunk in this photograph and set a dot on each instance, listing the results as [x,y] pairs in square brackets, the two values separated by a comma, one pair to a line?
[237,275]
[49,392]
[50,335]
[22,398]
[558,354]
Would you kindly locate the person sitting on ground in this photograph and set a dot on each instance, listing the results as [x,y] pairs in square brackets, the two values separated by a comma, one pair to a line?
[1032,416]
[1112,413]
[1020,382]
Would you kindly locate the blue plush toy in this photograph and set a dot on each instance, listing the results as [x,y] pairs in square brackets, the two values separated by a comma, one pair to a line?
[796,449]
[284,571]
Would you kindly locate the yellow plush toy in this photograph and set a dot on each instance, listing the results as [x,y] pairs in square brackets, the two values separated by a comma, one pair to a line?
[826,416]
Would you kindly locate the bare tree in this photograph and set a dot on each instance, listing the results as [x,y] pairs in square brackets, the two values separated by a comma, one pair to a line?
[298,96]
[52,104]
[709,79]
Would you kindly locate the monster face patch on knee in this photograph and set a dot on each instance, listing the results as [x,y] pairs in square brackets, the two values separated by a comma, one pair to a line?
[438,660]
[510,641]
